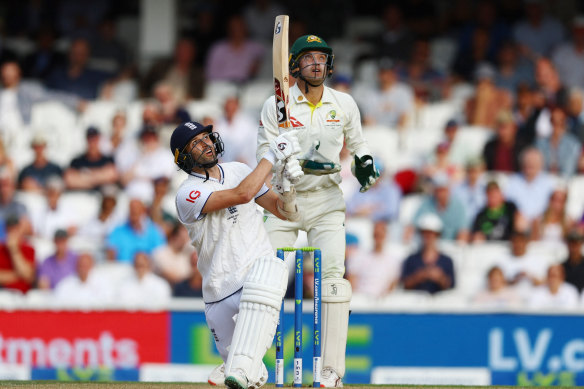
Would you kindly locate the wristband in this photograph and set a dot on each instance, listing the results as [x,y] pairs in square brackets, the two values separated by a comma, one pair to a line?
[270,157]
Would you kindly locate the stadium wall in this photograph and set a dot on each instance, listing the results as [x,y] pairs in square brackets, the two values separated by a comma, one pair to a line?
[472,348]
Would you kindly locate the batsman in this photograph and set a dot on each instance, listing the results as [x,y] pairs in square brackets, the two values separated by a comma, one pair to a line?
[324,119]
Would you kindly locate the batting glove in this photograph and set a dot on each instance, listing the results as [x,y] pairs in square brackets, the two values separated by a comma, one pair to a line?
[292,170]
[285,145]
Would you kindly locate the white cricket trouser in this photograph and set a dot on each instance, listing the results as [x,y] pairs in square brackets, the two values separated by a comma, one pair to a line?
[323,218]
[221,323]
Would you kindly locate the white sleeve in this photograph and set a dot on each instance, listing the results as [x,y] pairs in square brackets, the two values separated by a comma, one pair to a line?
[263,190]
[356,144]
[268,128]
[190,201]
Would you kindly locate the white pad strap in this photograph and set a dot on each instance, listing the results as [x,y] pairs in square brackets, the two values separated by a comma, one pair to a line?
[259,309]
[336,296]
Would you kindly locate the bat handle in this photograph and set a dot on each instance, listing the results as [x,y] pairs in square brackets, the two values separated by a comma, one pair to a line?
[286,184]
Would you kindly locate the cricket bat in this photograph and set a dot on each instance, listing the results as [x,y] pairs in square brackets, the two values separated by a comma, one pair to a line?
[281,77]
[281,73]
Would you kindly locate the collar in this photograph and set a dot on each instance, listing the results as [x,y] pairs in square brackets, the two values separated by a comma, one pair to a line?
[203,177]
[299,98]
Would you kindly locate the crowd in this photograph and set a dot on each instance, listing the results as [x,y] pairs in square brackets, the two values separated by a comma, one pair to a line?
[481,113]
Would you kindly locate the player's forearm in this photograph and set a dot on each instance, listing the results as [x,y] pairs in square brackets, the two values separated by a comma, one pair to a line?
[251,184]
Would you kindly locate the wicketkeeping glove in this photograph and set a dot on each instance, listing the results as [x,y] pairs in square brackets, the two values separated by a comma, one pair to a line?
[285,145]
[364,169]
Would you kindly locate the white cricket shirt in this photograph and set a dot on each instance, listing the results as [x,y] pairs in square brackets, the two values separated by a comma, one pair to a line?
[333,120]
[229,240]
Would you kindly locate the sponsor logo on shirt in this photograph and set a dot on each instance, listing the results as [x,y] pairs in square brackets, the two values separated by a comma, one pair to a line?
[233,214]
[331,116]
[295,122]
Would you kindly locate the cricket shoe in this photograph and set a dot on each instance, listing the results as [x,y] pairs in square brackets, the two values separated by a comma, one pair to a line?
[217,376]
[237,380]
[330,379]
[263,379]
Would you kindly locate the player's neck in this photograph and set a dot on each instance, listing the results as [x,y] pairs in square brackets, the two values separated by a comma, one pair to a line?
[214,172]
[314,93]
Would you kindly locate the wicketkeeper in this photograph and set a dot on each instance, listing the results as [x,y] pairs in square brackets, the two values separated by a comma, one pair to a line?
[324,119]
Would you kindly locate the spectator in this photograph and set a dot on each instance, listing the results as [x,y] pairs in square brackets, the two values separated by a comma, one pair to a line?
[17,261]
[259,16]
[471,191]
[497,219]
[6,164]
[193,285]
[86,288]
[428,270]
[17,99]
[236,58]
[34,176]
[575,113]
[556,293]
[376,273]
[538,33]
[549,83]
[458,152]
[171,110]
[569,57]
[147,161]
[108,54]
[468,60]
[75,76]
[523,270]
[574,264]
[501,153]
[59,265]
[562,149]
[57,215]
[439,163]
[236,129]
[9,205]
[181,72]
[447,207]
[554,223]
[485,17]
[426,82]
[530,189]
[96,230]
[137,234]
[172,260]
[206,31]
[118,134]
[381,202]
[526,113]
[91,169]
[512,69]
[483,108]
[396,41]
[157,211]
[498,293]
[144,288]
[392,103]
[39,63]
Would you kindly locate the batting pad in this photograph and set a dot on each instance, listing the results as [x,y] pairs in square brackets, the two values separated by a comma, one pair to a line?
[336,296]
[259,309]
